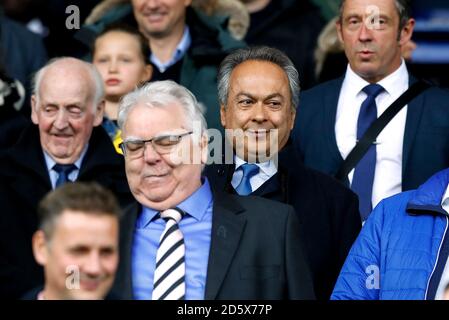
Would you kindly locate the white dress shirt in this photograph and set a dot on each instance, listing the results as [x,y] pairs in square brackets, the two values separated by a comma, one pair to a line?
[266,171]
[389,143]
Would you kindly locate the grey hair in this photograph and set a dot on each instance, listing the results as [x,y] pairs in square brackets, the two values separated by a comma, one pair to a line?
[402,7]
[261,53]
[97,80]
[161,94]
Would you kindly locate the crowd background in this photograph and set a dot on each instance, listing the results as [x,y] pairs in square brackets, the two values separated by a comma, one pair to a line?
[195,52]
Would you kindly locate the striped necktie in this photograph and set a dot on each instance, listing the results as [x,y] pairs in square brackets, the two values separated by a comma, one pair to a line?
[169,275]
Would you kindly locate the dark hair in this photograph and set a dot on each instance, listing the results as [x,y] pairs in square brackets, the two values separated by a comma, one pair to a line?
[402,7]
[122,27]
[258,53]
[88,198]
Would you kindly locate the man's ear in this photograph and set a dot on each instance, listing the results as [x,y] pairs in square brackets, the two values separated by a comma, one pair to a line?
[40,247]
[407,32]
[339,30]
[223,116]
[99,114]
[34,117]
[292,124]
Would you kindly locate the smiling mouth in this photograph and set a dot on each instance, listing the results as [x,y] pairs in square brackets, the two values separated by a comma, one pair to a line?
[90,284]
[62,136]
[154,176]
[257,133]
[154,17]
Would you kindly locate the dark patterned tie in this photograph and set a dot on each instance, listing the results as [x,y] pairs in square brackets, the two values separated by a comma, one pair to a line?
[63,171]
[363,179]
[169,274]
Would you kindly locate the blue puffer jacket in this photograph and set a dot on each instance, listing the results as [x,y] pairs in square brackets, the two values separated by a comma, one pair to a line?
[402,249]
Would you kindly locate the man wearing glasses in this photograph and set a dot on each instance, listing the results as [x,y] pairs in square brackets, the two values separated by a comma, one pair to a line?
[181,240]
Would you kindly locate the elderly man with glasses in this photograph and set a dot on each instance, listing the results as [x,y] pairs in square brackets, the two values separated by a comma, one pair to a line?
[181,240]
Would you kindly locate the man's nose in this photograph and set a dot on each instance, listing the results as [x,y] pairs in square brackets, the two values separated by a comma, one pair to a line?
[61,121]
[151,3]
[259,112]
[149,153]
[92,265]
[366,29]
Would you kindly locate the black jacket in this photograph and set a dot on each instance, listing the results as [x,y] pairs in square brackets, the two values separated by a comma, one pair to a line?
[24,181]
[328,211]
[253,253]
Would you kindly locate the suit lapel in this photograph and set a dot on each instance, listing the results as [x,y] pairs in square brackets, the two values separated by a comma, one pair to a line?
[270,186]
[330,112]
[28,154]
[123,280]
[227,229]
[414,111]
[100,154]
[28,158]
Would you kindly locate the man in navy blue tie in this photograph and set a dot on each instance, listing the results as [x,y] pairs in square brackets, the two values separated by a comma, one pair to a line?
[259,92]
[334,115]
[63,144]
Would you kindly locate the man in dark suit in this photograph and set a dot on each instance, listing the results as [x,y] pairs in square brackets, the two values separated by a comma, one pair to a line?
[64,146]
[181,240]
[334,115]
[259,91]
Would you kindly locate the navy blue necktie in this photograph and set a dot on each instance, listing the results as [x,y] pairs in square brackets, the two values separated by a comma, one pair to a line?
[362,181]
[249,170]
[63,171]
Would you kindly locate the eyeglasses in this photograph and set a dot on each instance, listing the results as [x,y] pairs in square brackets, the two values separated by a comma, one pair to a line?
[162,144]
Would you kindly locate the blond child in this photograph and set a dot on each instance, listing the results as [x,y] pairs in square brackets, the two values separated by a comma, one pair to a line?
[121,55]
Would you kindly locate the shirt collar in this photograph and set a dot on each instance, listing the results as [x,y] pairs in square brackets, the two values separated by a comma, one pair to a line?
[177,55]
[50,162]
[397,78]
[268,167]
[195,206]
[389,83]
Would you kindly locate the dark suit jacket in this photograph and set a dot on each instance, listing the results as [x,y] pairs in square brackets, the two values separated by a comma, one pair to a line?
[254,253]
[328,211]
[426,136]
[24,181]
